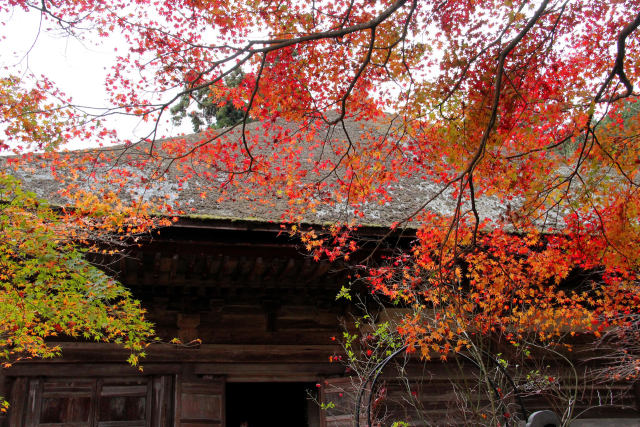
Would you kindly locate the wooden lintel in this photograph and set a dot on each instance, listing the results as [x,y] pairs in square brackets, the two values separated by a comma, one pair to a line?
[95,354]
[75,369]
[284,371]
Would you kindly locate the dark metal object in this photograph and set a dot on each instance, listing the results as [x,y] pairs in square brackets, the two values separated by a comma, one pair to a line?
[544,418]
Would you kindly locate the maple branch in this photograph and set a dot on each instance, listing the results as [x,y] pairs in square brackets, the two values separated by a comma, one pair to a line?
[498,84]
[246,113]
[615,162]
[347,15]
[403,39]
[276,44]
[604,232]
[545,148]
[468,172]
[64,24]
[471,61]
[618,67]
[474,210]
[344,156]
[363,66]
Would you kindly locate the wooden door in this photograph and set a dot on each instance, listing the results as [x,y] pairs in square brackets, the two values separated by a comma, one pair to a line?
[200,402]
[91,402]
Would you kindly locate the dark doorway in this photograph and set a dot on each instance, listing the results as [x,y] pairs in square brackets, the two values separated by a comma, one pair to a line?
[270,404]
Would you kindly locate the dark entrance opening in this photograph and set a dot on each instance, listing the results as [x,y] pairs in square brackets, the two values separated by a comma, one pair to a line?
[270,404]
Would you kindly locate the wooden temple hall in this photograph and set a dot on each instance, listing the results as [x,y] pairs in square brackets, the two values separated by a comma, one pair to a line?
[264,314]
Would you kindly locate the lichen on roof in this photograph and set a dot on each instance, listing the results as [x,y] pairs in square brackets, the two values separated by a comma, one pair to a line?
[198,190]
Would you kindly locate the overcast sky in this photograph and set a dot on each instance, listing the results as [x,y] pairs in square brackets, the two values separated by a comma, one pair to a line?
[78,68]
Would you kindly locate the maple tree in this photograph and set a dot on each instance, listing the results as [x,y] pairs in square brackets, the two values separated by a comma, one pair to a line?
[515,116]
[49,289]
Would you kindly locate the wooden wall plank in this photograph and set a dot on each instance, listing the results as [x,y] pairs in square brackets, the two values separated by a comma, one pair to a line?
[18,402]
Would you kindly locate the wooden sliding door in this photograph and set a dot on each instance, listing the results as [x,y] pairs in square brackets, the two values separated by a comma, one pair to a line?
[91,402]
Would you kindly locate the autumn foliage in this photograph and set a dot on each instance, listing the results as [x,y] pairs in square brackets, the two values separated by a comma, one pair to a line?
[50,290]
[519,117]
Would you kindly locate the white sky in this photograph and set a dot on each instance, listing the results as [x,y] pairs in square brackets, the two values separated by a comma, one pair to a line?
[78,68]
